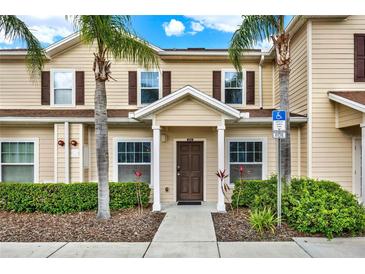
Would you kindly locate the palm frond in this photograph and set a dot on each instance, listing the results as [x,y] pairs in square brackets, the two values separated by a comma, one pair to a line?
[15,29]
[115,38]
[254,28]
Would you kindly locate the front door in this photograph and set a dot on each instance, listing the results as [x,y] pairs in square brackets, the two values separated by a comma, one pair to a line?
[189,171]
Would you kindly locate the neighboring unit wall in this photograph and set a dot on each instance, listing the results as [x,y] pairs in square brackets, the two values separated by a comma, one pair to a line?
[45,135]
[347,117]
[333,68]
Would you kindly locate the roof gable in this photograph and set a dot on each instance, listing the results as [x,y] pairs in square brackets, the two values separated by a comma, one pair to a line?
[187,91]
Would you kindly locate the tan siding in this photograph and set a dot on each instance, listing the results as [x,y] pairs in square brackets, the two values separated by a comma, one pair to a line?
[276,87]
[60,153]
[267,85]
[333,61]
[298,72]
[348,116]
[17,90]
[303,151]
[188,112]
[45,135]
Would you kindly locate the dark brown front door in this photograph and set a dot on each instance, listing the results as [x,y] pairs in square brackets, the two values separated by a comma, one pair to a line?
[189,171]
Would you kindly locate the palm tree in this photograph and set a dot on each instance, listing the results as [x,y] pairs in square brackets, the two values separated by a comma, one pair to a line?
[255,28]
[113,38]
[16,29]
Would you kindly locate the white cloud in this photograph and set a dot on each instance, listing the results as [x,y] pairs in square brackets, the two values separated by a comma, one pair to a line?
[174,28]
[197,27]
[47,34]
[264,45]
[221,23]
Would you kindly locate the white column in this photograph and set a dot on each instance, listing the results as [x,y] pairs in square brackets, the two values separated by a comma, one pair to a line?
[67,152]
[363,162]
[156,168]
[220,204]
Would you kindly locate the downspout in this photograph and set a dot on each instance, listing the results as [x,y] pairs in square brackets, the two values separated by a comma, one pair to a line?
[260,80]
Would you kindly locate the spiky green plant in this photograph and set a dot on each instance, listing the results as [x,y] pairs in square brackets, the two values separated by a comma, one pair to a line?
[16,29]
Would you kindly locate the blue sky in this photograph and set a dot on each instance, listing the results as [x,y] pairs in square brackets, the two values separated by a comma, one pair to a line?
[164,31]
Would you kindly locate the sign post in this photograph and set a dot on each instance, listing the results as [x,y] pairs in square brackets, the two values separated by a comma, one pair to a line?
[279,132]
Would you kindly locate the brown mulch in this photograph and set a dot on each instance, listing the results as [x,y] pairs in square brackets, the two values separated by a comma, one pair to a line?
[125,226]
[235,226]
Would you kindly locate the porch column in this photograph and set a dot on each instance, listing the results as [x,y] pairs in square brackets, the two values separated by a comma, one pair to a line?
[220,204]
[363,163]
[156,168]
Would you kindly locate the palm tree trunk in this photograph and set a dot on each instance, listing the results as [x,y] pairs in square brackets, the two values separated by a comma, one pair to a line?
[102,160]
[285,143]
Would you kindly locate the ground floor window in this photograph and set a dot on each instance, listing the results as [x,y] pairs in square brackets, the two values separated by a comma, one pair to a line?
[134,156]
[17,161]
[246,153]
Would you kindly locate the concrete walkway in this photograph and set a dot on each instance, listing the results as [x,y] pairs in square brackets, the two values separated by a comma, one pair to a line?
[188,232]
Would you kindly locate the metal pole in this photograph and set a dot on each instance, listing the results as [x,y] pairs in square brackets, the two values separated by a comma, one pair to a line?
[279,184]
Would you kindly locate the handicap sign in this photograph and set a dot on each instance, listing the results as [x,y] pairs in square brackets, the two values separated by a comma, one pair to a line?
[279,124]
[279,115]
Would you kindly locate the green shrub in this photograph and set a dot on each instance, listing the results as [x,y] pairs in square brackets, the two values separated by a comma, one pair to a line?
[322,207]
[65,198]
[255,194]
[263,220]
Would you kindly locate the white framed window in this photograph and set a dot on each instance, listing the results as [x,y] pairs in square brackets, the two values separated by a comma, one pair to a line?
[62,87]
[251,153]
[233,91]
[133,155]
[19,160]
[149,87]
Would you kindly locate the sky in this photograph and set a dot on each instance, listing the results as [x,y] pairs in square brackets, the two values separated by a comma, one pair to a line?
[164,31]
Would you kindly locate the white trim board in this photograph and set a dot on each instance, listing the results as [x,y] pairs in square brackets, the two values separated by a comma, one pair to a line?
[346,102]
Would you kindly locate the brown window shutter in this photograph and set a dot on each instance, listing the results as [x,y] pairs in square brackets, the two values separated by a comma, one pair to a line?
[80,88]
[166,83]
[132,87]
[250,87]
[359,54]
[45,88]
[217,84]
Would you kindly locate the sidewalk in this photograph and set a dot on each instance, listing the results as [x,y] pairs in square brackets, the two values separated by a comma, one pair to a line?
[188,232]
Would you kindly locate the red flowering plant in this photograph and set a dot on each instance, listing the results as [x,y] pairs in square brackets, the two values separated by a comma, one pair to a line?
[222,175]
[240,188]
[138,175]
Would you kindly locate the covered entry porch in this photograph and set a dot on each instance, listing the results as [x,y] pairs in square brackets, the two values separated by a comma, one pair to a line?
[188,145]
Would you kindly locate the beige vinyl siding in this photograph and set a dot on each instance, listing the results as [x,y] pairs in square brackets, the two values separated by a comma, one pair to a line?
[17,90]
[333,68]
[188,112]
[60,153]
[303,151]
[267,85]
[298,72]
[347,116]
[276,87]
[45,135]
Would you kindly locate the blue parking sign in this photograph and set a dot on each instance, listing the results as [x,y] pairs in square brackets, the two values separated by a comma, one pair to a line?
[279,115]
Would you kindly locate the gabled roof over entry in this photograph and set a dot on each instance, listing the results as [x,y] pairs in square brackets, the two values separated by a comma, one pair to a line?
[351,99]
[183,93]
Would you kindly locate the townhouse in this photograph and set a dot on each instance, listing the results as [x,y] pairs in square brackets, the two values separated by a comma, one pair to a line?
[195,114]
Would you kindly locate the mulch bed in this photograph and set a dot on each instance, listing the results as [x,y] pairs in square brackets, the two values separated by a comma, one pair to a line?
[235,226]
[125,226]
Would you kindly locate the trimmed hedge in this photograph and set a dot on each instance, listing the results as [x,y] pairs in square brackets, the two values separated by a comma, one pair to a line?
[66,198]
[255,194]
[309,205]
[322,207]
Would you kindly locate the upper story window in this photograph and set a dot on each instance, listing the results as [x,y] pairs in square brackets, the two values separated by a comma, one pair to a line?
[63,87]
[149,87]
[233,87]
